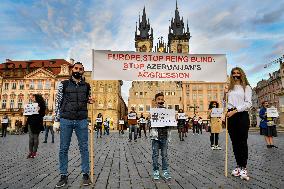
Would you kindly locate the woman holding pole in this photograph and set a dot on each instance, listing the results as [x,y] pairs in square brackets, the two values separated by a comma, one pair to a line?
[239,101]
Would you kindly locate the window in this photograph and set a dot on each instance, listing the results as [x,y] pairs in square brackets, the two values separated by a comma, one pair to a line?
[173,93]
[148,108]
[141,93]
[6,87]
[141,108]
[209,96]
[176,107]
[170,106]
[200,96]
[201,107]
[32,84]
[187,93]
[47,84]
[101,105]
[39,84]
[20,103]
[12,103]
[101,89]
[194,87]
[4,101]
[136,93]
[14,85]
[194,96]
[209,87]
[109,89]
[145,93]
[21,85]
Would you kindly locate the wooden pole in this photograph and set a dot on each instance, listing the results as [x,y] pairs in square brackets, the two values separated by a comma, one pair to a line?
[92,133]
[226,151]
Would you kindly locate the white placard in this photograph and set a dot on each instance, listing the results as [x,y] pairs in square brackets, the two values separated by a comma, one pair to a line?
[272,112]
[121,122]
[142,120]
[217,112]
[99,120]
[181,116]
[161,117]
[5,120]
[132,116]
[30,109]
[48,118]
[150,66]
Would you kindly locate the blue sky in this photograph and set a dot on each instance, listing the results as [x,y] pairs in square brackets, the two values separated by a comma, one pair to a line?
[251,33]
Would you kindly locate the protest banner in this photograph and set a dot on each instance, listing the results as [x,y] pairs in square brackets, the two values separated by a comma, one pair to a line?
[182,116]
[158,66]
[30,109]
[217,112]
[272,112]
[161,117]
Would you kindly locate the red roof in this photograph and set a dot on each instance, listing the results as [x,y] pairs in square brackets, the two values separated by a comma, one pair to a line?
[54,64]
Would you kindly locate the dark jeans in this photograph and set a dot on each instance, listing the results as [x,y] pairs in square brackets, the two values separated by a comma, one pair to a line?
[132,128]
[99,130]
[47,129]
[142,127]
[195,128]
[106,130]
[163,145]
[33,140]
[200,128]
[238,126]
[214,139]
[4,129]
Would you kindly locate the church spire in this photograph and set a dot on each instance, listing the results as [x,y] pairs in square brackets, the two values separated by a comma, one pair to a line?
[145,30]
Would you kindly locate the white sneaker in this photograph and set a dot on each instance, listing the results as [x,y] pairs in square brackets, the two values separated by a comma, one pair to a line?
[212,147]
[236,172]
[218,147]
[244,174]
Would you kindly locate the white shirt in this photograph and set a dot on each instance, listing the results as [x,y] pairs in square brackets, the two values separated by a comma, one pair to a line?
[240,99]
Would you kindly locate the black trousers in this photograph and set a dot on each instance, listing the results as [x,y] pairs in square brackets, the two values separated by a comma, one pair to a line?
[214,138]
[4,129]
[238,126]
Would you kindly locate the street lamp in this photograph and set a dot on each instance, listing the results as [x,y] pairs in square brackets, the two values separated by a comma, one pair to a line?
[194,108]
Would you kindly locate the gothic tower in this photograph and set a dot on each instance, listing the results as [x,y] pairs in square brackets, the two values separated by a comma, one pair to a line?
[178,38]
[144,40]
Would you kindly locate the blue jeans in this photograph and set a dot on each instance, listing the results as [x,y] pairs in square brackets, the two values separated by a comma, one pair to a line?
[81,131]
[163,145]
[132,128]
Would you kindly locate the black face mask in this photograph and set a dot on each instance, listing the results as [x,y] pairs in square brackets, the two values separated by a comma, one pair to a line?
[76,75]
[236,77]
[161,103]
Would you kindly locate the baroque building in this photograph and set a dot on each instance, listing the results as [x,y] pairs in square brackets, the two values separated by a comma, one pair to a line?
[20,79]
[193,97]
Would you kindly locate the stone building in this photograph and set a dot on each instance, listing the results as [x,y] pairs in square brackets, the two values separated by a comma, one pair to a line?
[193,97]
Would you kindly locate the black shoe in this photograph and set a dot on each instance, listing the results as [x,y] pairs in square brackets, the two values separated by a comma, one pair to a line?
[86,180]
[269,146]
[135,140]
[62,182]
[129,140]
[272,146]
[44,141]
[52,141]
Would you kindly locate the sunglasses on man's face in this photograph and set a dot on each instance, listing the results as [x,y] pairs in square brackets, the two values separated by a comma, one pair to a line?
[79,68]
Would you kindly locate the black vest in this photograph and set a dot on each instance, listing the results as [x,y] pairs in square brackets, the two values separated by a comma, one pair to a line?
[75,99]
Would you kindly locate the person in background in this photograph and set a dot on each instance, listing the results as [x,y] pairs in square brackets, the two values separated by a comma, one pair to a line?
[5,123]
[215,126]
[195,127]
[35,125]
[49,127]
[99,125]
[132,123]
[180,125]
[142,125]
[267,126]
[239,102]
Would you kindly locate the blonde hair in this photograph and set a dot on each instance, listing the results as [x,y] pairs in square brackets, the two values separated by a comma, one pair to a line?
[243,81]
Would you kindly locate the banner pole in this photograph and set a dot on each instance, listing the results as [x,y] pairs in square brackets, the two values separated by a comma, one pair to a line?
[92,132]
[226,153]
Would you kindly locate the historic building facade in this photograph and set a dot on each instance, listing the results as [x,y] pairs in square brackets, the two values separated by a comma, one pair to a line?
[193,97]
[21,79]
[108,100]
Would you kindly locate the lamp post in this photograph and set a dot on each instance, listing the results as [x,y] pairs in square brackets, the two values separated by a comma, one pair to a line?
[194,108]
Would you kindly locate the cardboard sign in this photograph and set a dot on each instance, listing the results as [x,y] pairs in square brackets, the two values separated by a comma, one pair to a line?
[272,112]
[217,112]
[48,118]
[30,109]
[161,117]
[121,122]
[99,120]
[181,116]
[132,116]
[142,120]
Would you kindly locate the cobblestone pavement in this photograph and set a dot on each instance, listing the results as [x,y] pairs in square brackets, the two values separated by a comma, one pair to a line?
[125,165]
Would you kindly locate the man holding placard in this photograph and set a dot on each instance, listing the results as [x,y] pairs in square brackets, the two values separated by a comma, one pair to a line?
[71,110]
[181,117]
[142,125]
[99,123]
[5,123]
[132,122]
[161,119]
[267,125]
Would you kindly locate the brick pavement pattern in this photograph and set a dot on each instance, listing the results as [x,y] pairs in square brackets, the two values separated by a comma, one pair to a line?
[120,164]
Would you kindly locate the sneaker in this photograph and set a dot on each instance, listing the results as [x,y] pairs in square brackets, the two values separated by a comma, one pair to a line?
[33,155]
[272,146]
[236,172]
[156,175]
[218,147]
[129,140]
[29,155]
[166,174]
[44,141]
[52,141]
[86,180]
[62,182]
[135,140]
[269,146]
[213,147]
[244,174]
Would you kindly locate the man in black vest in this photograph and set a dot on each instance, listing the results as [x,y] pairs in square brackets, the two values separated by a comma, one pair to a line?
[72,113]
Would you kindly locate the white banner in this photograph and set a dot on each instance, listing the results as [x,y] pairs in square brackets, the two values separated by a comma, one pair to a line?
[142,120]
[132,116]
[99,120]
[181,116]
[30,109]
[121,122]
[217,112]
[119,65]
[272,112]
[161,117]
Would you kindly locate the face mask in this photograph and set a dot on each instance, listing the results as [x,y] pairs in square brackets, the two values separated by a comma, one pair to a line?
[236,77]
[161,103]
[76,75]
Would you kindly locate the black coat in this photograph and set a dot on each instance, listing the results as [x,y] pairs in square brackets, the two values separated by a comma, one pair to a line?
[36,123]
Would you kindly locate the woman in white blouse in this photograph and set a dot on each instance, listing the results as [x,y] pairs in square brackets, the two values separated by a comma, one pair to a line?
[239,102]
